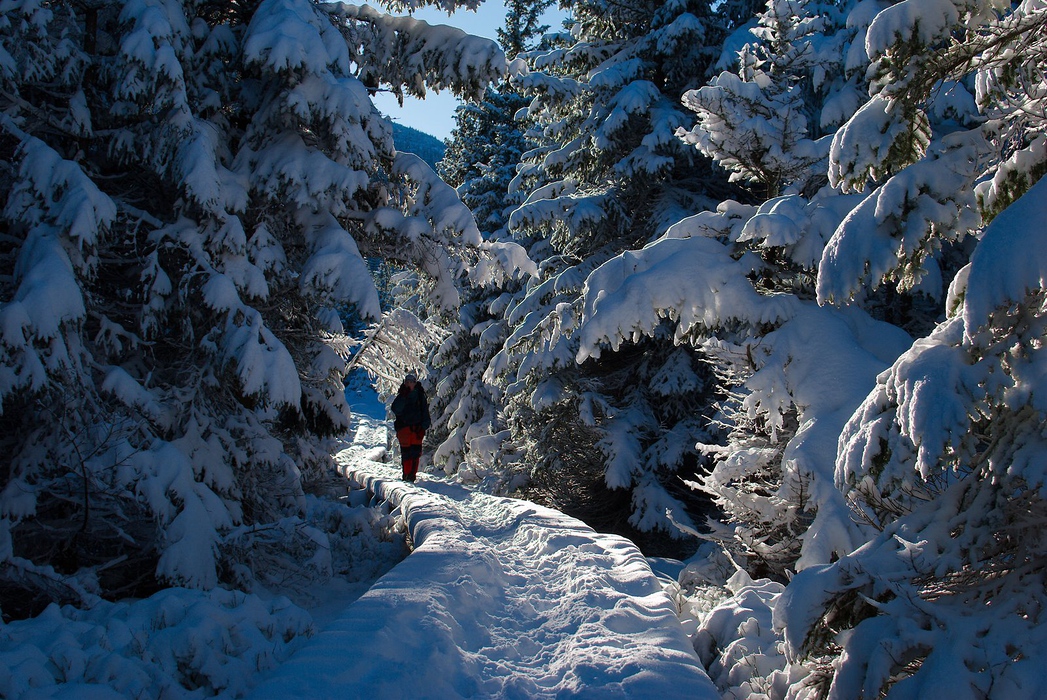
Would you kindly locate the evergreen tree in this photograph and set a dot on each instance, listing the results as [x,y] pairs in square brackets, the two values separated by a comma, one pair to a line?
[482,154]
[189,191]
[766,123]
[482,157]
[790,372]
[791,379]
[605,439]
[487,143]
[924,457]
[944,457]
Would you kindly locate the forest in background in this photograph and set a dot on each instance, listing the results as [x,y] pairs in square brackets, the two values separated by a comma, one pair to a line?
[425,146]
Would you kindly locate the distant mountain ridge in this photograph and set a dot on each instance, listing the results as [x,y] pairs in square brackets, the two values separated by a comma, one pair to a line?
[425,146]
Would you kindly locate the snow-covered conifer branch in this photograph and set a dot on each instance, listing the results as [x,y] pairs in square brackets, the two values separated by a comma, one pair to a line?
[893,232]
[412,56]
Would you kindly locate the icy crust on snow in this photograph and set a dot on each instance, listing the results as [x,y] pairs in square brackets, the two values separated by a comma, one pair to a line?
[500,598]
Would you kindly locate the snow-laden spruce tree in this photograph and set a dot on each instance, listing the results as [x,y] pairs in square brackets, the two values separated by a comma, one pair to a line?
[774,477]
[945,458]
[737,286]
[189,189]
[790,372]
[481,161]
[765,118]
[483,152]
[488,141]
[604,439]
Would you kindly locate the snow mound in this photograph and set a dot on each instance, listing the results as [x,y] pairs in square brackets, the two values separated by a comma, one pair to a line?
[212,641]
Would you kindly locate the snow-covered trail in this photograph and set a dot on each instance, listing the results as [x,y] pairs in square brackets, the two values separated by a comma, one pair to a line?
[500,598]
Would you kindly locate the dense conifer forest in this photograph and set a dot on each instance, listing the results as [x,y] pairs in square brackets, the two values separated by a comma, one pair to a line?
[759,286]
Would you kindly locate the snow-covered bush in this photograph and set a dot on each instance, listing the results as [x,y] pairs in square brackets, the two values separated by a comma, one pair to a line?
[296,556]
[728,618]
[737,644]
[178,643]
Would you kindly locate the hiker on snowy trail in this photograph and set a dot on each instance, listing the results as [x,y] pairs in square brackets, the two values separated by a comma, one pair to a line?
[412,420]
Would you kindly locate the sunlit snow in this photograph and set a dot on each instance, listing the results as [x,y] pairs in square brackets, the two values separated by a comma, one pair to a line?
[499,598]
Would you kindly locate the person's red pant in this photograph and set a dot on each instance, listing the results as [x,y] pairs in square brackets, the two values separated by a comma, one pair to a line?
[410,438]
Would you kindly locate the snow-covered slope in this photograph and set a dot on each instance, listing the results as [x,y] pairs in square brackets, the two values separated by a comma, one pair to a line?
[500,598]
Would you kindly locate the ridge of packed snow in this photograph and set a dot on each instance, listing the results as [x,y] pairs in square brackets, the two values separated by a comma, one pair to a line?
[500,598]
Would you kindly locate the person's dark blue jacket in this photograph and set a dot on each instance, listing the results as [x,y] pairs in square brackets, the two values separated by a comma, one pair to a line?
[411,408]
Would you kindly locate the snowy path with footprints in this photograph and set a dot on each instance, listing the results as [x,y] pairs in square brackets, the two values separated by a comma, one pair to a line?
[500,598]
